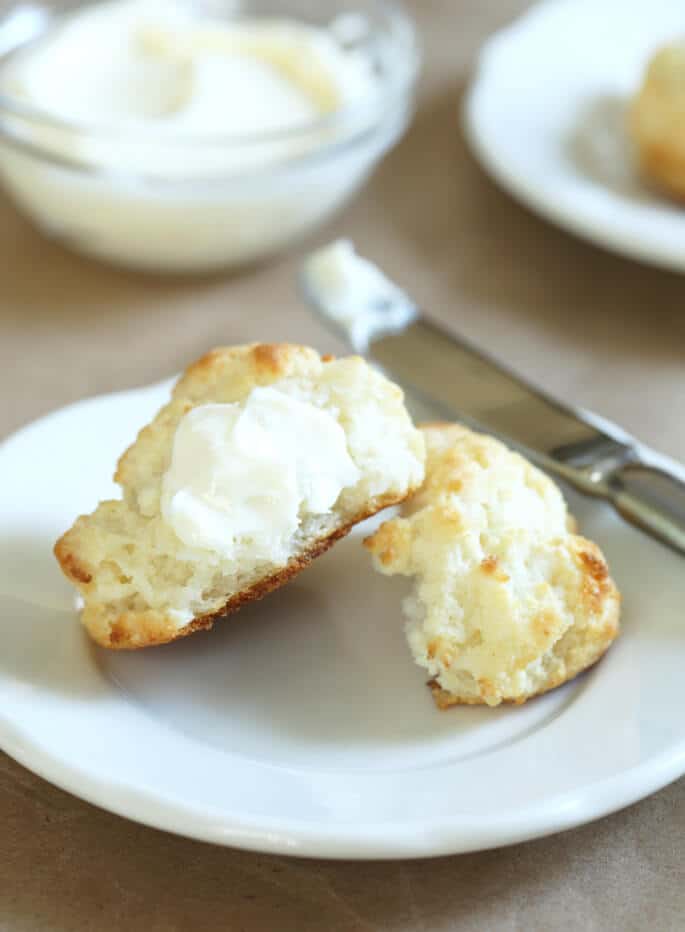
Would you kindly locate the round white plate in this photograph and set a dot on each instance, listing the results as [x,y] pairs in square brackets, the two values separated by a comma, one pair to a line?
[546,114]
[302,725]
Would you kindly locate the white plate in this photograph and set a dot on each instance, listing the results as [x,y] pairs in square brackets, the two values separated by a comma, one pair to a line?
[302,725]
[546,116]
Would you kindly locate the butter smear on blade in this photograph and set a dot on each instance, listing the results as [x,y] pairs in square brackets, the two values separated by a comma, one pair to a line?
[355,295]
[243,475]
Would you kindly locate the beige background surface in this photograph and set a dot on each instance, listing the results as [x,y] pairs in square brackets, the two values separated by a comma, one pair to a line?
[591,327]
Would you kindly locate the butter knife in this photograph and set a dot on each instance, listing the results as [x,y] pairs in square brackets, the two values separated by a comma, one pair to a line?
[453,380]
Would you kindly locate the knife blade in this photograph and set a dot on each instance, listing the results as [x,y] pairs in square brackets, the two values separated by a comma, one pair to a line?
[454,380]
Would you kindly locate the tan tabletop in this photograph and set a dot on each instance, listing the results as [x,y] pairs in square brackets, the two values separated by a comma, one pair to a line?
[593,328]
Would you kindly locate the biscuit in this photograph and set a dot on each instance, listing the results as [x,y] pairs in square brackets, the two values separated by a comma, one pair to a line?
[508,602]
[142,586]
[657,121]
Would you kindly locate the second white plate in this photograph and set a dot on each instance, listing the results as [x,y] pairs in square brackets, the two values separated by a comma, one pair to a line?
[546,115]
[302,724]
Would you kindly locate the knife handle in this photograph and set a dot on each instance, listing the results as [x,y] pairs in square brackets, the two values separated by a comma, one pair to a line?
[652,499]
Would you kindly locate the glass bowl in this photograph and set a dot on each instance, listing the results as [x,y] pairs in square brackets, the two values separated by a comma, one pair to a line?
[184,203]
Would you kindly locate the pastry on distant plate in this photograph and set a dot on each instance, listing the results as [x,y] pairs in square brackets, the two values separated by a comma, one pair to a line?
[508,602]
[263,458]
[657,120]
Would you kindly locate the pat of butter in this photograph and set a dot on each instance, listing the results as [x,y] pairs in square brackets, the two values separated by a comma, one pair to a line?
[243,475]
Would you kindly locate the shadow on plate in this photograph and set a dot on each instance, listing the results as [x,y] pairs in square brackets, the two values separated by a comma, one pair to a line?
[318,674]
[43,644]
[601,150]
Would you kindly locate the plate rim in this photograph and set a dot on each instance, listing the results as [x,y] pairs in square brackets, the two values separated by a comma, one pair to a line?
[608,236]
[378,841]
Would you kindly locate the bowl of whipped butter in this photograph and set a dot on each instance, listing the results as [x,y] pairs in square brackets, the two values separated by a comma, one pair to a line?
[177,136]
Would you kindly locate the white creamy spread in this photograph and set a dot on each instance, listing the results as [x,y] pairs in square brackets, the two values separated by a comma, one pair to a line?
[152,68]
[354,294]
[173,136]
[244,474]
